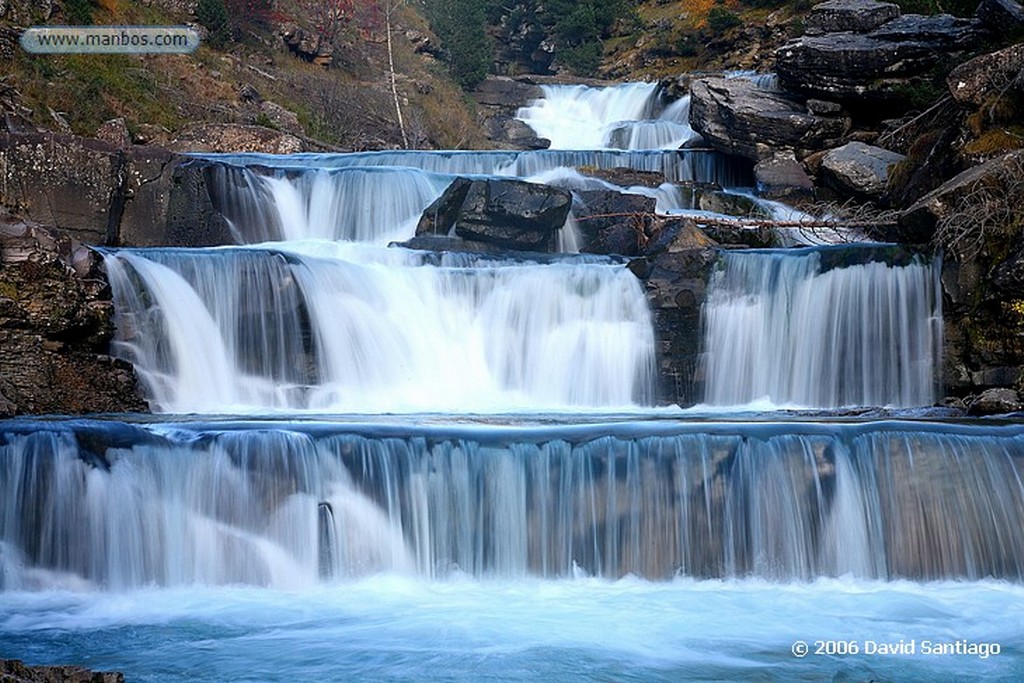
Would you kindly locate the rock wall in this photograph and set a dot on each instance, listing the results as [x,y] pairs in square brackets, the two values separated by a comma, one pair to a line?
[56,323]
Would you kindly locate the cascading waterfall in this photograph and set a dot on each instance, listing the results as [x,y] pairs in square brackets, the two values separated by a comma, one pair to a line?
[779,326]
[432,440]
[217,330]
[576,117]
[296,505]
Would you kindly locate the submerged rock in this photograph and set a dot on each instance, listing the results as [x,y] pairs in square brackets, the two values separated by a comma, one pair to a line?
[511,214]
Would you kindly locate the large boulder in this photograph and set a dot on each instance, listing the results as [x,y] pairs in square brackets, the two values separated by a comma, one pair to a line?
[859,170]
[976,81]
[864,68]
[783,177]
[510,214]
[56,323]
[858,16]
[918,222]
[735,116]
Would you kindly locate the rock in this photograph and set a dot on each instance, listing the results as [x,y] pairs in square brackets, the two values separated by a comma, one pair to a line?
[62,181]
[613,222]
[976,81]
[917,223]
[677,234]
[1008,276]
[861,69]
[282,118]
[234,137]
[511,214]
[824,108]
[16,671]
[995,402]
[675,283]
[628,177]
[249,94]
[1004,17]
[858,16]
[859,170]
[27,12]
[306,45]
[782,177]
[502,91]
[115,133]
[56,323]
[737,117]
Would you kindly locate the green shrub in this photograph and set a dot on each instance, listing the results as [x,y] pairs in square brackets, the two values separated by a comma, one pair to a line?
[78,12]
[721,20]
[214,16]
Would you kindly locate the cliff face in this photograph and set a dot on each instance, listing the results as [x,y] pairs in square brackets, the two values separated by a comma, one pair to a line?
[56,326]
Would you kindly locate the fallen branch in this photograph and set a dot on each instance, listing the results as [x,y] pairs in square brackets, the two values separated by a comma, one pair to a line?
[750,222]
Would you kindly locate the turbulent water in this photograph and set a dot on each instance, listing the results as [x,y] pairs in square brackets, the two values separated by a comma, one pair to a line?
[449,466]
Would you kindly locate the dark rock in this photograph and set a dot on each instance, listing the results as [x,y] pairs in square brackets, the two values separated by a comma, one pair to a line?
[249,94]
[676,234]
[613,222]
[675,283]
[511,214]
[859,69]
[1005,17]
[16,671]
[1008,276]
[502,91]
[995,402]
[918,222]
[859,170]
[782,177]
[980,79]
[626,177]
[858,16]
[737,117]
[824,108]
[306,45]
[56,323]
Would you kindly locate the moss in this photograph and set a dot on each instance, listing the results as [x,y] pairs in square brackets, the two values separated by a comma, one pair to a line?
[996,141]
[8,291]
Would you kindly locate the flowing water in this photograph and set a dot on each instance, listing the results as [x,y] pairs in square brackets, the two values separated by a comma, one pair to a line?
[371,463]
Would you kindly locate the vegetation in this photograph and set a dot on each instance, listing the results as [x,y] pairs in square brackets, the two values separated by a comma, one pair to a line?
[461,26]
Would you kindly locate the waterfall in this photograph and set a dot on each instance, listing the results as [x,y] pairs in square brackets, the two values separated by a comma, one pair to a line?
[577,117]
[119,506]
[778,325]
[241,330]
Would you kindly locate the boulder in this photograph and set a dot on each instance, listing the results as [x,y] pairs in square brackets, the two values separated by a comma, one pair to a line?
[56,323]
[510,214]
[995,402]
[783,177]
[737,117]
[977,80]
[1004,17]
[859,170]
[861,69]
[115,133]
[234,137]
[917,223]
[858,16]
[613,222]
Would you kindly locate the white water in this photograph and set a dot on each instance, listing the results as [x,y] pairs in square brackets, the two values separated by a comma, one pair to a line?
[249,330]
[576,117]
[777,326]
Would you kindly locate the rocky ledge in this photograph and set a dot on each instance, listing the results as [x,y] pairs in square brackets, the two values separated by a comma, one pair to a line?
[16,671]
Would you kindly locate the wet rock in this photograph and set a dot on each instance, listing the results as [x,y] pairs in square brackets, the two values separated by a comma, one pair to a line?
[612,222]
[859,170]
[858,16]
[995,402]
[675,283]
[16,671]
[56,323]
[783,177]
[511,214]
[976,81]
[234,137]
[737,117]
